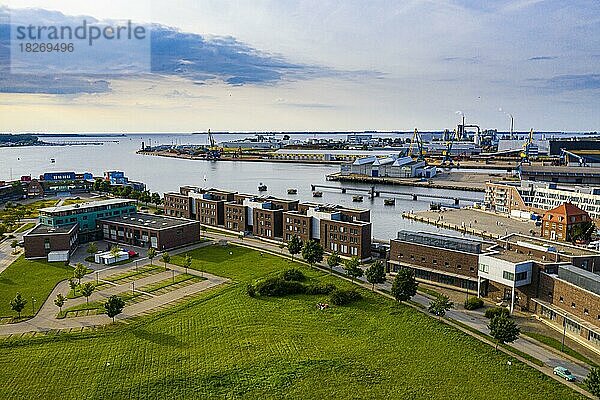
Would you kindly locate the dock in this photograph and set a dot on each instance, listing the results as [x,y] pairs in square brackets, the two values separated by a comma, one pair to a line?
[443,224]
[373,192]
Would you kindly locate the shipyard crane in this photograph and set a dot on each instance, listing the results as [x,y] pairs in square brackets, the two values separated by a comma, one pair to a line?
[214,153]
[527,147]
[416,138]
[448,152]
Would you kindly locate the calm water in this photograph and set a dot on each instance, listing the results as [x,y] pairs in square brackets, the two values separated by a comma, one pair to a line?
[164,174]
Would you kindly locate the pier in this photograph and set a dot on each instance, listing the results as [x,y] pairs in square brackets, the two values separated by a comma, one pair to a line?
[372,192]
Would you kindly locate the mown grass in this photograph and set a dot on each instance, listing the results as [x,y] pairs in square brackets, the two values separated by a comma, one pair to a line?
[558,346]
[226,344]
[31,278]
[25,227]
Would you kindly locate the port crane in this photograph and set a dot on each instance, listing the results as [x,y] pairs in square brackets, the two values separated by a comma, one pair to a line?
[527,148]
[418,140]
[214,153]
[448,152]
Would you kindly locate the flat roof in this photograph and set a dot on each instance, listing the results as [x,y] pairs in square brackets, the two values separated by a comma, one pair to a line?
[47,230]
[336,207]
[561,248]
[149,221]
[79,206]
[441,241]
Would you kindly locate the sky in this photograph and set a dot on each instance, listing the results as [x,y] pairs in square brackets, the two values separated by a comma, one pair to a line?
[321,65]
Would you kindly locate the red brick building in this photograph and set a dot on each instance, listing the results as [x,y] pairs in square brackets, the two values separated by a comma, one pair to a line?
[43,239]
[562,222]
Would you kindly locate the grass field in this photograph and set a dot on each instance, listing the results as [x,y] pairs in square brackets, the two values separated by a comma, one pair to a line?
[558,346]
[225,344]
[32,279]
[25,227]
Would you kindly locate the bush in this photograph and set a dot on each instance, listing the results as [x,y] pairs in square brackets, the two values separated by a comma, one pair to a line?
[320,289]
[494,311]
[279,287]
[293,274]
[344,297]
[251,290]
[473,303]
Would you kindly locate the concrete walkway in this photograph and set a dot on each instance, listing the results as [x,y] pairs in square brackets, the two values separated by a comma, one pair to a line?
[474,319]
[7,256]
[45,320]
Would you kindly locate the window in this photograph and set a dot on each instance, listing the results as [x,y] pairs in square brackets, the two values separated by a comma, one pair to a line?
[561,299]
[484,268]
[586,311]
[508,275]
[573,305]
[434,261]
[521,276]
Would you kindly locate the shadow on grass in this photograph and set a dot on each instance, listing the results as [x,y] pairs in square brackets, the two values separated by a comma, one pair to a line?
[160,338]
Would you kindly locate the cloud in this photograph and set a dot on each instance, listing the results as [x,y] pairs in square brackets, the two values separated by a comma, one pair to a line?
[570,82]
[542,58]
[281,102]
[190,56]
[464,60]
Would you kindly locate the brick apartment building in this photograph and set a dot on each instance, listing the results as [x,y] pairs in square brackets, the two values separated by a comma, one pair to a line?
[563,222]
[177,205]
[236,214]
[267,215]
[343,230]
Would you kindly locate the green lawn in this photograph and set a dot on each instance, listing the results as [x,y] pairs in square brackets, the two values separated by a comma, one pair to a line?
[225,344]
[558,346]
[25,227]
[32,279]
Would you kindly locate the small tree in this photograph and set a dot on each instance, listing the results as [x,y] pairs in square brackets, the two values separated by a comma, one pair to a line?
[114,252]
[14,245]
[114,306]
[294,246]
[440,305]
[73,286]
[333,261]
[352,267]
[151,254]
[156,200]
[187,262]
[79,272]
[60,301]
[405,285]
[86,290]
[312,252]
[92,248]
[166,258]
[592,381]
[503,329]
[18,304]
[375,273]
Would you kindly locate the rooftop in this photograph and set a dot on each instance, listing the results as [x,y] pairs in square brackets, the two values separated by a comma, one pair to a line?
[580,277]
[562,248]
[90,204]
[46,230]
[442,241]
[149,221]
[567,209]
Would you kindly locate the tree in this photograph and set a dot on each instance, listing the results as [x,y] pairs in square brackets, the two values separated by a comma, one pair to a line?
[187,262]
[86,290]
[503,329]
[73,285]
[60,301]
[151,254]
[375,273]
[592,381]
[333,261]
[18,304]
[440,305]
[294,246]
[166,258]
[353,269]
[114,306]
[405,285]
[114,252]
[79,272]
[92,248]
[312,252]
[156,200]
[14,245]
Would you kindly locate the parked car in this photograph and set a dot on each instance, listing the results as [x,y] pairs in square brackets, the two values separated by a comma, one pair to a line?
[564,373]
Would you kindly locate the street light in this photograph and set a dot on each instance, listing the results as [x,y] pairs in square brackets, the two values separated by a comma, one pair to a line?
[133,288]
[562,346]
[33,305]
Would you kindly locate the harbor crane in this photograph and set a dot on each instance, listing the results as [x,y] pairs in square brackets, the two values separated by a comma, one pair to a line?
[525,154]
[448,152]
[418,140]
[214,153]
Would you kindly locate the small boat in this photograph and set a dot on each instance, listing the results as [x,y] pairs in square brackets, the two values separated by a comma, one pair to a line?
[52,160]
[292,191]
[262,187]
[357,198]
[317,194]
[389,202]
[435,206]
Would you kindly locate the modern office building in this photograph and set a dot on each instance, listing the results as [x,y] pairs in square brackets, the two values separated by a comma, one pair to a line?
[146,230]
[86,216]
[561,174]
[538,197]
[51,242]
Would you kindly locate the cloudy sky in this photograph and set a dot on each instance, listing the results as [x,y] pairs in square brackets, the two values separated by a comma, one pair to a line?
[323,65]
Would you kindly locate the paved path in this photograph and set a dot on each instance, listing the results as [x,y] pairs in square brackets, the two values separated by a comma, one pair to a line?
[45,320]
[6,252]
[475,319]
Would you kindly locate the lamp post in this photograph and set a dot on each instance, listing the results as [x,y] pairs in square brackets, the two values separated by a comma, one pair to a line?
[133,288]
[97,278]
[562,346]
[32,305]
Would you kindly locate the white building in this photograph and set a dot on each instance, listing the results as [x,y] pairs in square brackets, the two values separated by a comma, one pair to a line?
[107,258]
